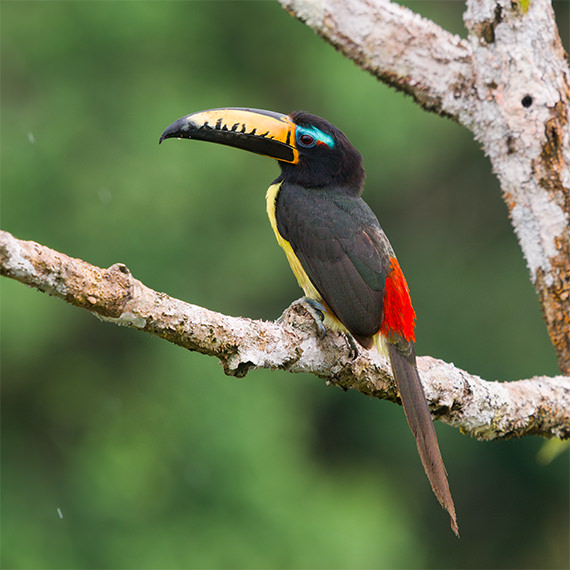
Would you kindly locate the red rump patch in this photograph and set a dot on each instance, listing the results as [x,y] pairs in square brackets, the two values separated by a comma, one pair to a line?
[399,316]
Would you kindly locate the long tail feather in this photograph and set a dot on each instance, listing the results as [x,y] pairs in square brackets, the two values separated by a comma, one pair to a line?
[421,424]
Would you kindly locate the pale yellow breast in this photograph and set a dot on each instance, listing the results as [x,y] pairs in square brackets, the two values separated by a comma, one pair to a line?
[302,277]
[300,274]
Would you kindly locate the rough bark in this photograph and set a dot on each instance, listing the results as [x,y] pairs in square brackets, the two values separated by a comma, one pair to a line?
[483,409]
[509,83]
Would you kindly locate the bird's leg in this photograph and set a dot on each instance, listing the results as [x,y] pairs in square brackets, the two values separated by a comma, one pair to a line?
[314,308]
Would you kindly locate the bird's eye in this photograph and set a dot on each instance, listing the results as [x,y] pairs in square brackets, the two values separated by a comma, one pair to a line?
[306,140]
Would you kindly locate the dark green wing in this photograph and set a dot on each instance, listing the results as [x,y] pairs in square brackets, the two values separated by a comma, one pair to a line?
[343,250]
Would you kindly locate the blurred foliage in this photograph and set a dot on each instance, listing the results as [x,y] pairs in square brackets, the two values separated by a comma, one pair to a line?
[121,451]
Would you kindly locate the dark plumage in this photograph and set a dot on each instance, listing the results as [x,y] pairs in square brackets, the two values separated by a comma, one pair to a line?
[334,243]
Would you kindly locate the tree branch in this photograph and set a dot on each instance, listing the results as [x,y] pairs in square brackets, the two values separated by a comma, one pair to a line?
[482,409]
[397,46]
[508,83]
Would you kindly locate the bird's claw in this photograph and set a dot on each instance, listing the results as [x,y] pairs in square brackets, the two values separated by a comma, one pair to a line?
[353,348]
[314,308]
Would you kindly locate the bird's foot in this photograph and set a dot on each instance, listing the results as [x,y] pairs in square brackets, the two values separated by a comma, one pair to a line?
[314,308]
[353,348]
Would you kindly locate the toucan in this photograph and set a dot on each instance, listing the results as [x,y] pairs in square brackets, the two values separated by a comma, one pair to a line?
[335,246]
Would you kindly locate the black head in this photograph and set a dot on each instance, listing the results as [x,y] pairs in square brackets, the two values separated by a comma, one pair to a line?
[326,157]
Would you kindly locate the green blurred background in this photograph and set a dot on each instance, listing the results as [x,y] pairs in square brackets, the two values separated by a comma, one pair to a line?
[122,451]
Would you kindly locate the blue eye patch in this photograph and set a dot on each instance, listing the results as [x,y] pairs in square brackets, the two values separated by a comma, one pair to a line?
[308,137]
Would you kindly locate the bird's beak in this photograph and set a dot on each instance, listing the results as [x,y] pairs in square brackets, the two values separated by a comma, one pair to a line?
[263,132]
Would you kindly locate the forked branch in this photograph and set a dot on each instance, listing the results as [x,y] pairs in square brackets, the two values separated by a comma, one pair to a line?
[509,84]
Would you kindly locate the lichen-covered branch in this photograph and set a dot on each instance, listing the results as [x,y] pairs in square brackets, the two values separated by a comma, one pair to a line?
[485,410]
[509,83]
